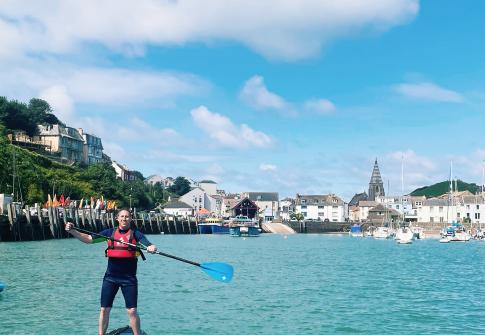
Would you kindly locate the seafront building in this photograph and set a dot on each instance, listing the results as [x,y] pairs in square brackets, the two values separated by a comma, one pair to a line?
[322,207]
[267,202]
[287,207]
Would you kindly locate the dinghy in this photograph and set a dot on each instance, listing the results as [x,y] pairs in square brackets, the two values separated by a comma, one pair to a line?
[126,330]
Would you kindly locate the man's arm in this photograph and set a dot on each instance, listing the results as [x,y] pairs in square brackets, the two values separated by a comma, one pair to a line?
[86,238]
[144,242]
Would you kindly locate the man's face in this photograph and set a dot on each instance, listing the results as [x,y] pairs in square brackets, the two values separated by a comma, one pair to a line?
[124,219]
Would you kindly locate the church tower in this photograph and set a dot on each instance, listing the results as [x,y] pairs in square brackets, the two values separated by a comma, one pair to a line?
[376,186]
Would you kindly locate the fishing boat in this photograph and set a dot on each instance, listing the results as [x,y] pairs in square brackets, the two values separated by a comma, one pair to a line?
[2,286]
[356,231]
[243,226]
[212,225]
[126,330]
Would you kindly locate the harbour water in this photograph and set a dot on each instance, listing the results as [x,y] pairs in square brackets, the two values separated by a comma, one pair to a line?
[300,284]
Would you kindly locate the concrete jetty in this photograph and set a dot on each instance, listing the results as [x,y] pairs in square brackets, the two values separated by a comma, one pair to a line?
[277,228]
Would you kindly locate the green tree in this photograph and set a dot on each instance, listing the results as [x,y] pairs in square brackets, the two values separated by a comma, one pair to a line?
[180,186]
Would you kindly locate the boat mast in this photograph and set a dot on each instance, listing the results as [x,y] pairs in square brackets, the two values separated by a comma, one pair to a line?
[402,189]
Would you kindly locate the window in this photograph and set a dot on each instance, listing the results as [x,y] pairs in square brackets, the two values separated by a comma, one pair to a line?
[321,207]
[440,209]
[303,207]
[303,201]
[441,219]
[431,219]
[478,206]
[477,216]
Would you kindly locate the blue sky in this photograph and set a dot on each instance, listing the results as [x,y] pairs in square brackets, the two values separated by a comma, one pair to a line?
[284,96]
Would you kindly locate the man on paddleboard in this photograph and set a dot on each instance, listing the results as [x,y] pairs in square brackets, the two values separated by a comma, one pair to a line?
[122,264]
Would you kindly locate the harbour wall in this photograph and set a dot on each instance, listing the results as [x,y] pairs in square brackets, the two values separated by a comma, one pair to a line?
[322,227]
[32,225]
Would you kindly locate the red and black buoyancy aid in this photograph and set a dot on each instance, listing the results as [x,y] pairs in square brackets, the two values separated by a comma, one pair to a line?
[121,250]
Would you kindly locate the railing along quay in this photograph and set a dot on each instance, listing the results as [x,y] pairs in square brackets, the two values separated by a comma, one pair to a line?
[33,224]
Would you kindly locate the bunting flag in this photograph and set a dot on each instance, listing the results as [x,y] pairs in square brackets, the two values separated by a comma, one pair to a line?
[92,202]
[81,203]
[62,201]
[102,205]
[55,203]
[98,204]
[67,202]
[49,201]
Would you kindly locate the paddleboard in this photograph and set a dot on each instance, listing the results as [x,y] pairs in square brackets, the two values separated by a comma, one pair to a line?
[2,286]
[126,330]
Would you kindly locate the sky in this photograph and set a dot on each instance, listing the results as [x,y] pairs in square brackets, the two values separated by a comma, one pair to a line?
[272,96]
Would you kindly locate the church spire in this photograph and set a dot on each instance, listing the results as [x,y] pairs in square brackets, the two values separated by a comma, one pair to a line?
[376,186]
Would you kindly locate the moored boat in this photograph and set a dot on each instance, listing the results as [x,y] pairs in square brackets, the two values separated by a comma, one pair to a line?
[243,226]
[212,225]
[404,235]
[356,231]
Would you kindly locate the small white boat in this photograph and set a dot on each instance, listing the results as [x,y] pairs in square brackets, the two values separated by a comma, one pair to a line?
[404,235]
[382,232]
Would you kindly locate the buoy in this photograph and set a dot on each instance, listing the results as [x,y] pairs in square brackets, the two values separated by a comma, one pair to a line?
[2,286]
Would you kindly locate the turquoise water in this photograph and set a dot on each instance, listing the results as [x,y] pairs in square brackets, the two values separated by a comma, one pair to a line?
[303,284]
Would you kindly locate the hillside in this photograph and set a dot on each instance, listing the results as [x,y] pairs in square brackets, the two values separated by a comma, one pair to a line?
[444,187]
[37,176]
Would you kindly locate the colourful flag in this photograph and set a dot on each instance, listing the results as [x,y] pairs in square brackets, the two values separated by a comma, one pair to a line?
[49,201]
[92,202]
[81,203]
[62,201]
[55,203]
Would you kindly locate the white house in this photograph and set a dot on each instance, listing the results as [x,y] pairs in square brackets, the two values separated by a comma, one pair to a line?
[436,210]
[287,207]
[364,207]
[322,207]
[178,208]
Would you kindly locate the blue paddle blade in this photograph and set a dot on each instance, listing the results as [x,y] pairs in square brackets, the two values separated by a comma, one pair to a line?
[219,271]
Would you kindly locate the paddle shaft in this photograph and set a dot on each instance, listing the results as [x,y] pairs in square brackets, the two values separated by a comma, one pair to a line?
[133,245]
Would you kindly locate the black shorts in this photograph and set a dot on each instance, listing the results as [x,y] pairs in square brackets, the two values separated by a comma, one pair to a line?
[129,288]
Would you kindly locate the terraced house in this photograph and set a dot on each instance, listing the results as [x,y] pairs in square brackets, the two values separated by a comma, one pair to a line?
[322,207]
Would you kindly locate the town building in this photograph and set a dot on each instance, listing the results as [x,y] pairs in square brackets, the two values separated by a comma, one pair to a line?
[92,148]
[178,208]
[122,171]
[287,208]
[322,207]
[267,202]
[64,141]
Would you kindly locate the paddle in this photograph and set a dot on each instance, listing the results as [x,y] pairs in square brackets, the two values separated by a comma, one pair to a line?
[219,271]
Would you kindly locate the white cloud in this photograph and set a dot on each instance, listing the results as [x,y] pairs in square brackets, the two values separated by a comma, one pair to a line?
[141,131]
[112,86]
[267,167]
[428,91]
[60,101]
[320,106]
[282,29]
[221,129]
[258,96]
